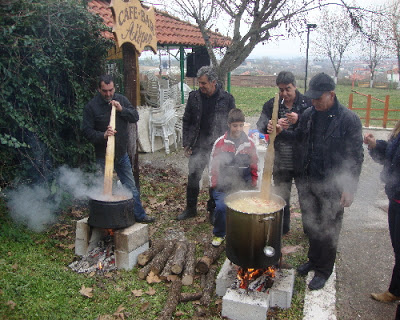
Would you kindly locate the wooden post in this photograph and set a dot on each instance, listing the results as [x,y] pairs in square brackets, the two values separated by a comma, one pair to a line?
[351,101]
[386,111]
[368,112]
[109,162]
[270,155]
[129,55]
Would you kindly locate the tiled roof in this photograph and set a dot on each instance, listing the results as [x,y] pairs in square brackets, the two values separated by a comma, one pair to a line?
[170,30]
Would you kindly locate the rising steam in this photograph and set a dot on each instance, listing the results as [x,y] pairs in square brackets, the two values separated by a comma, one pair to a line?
[36,206]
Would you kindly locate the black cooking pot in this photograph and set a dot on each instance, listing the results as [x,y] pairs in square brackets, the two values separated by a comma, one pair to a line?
[111,214]
[253,240]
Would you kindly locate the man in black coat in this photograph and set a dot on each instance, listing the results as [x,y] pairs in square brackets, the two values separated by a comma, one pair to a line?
[291,106]
[330,154]
[96,128]
[205,119]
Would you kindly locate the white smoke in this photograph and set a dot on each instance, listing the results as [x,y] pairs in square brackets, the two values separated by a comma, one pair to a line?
[36,206]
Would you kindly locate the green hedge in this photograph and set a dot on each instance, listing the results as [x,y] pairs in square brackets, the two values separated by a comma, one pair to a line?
[51,53]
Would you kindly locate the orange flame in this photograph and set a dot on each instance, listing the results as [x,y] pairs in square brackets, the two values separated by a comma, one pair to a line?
[100,266]
[245,275]
[110,232]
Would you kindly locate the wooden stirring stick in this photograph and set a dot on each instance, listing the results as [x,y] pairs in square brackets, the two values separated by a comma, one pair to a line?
[270,155]
[109,165]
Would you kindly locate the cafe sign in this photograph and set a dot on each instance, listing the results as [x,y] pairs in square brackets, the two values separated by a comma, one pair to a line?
[134,24]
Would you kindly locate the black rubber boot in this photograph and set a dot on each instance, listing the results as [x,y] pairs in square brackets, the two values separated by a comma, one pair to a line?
[187,213]
[191,204]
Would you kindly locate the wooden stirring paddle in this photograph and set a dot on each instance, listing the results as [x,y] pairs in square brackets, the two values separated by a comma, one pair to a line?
[270,155]
[109,165]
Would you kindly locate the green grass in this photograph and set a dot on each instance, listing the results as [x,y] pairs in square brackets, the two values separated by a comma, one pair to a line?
[36,282]
[251,100]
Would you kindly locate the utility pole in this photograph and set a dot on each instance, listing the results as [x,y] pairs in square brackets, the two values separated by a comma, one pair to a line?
[309,26]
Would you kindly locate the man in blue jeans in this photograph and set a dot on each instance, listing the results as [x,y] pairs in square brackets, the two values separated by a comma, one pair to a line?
[95,127]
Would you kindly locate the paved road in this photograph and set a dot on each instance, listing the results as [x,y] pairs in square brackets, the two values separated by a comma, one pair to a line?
[365,258]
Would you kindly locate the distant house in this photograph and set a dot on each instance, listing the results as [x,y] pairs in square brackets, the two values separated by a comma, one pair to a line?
[393,75]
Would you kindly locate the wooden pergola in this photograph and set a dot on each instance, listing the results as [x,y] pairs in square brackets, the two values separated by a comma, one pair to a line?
[171,32]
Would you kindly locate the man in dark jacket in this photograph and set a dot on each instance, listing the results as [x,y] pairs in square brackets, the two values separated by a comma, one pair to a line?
[291,105]
[330,154]
[205,119]
[96,128]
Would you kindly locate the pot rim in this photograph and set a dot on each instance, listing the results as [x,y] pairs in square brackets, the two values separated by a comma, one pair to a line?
[282,202]
[105,201]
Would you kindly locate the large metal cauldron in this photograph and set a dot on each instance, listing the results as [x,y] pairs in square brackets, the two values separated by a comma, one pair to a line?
[111,214]
[253,240]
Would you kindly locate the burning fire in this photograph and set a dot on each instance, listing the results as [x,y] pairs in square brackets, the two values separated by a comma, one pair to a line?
[246,275]
[110,232]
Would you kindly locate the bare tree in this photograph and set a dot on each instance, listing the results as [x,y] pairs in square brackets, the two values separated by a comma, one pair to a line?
[248,22]
[375,48]
[394,30]
[335,34]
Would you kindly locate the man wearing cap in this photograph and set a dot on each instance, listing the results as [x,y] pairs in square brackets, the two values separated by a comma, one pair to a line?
[330,155]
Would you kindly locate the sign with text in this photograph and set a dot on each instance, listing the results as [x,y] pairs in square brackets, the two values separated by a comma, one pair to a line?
[134,24]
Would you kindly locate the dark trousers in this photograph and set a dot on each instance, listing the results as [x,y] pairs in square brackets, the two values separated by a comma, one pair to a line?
[198,160]
[282,187]
[394,229]
[322,217]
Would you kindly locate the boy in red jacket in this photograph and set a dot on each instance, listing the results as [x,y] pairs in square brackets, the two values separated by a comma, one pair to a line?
[233,167]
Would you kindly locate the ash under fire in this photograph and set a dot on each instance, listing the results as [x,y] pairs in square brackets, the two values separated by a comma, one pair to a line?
[100,259]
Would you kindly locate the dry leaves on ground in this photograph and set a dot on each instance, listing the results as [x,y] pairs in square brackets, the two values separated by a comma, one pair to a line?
[87,292]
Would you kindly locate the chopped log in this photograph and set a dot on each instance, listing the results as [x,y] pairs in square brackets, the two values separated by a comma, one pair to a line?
[209,287]
[158,262]
[188,274]
[190,296]
[173,298]
[210,256]
[144,272]
[149,254]
[167,269]
[179,257]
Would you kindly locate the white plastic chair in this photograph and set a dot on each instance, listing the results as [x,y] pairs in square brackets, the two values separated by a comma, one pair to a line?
[162,123]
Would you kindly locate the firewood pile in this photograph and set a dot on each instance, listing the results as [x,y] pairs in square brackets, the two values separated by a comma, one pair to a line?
[175,261]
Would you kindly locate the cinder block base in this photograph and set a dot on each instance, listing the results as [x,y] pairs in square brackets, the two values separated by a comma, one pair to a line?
[282,289]
[128,260]
[86,238]
[133,237]
[225,278]
[238,305]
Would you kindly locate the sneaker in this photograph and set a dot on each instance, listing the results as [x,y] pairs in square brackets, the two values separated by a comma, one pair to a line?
[216,242]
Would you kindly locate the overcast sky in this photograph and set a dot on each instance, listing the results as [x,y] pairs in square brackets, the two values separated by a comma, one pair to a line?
[296,47]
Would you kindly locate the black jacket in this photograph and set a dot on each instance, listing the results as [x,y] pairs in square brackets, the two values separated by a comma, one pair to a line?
[388,154]
[342,151]
[96,118]
[193,112]
[301,103]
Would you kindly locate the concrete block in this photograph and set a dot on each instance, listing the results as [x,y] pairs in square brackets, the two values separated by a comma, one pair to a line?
[130,238]
[82,230]
[128,260]
[282,290]
[239,305]
[96,235]
[81,247]
[225,278]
